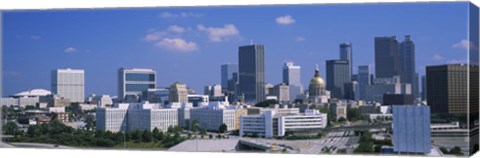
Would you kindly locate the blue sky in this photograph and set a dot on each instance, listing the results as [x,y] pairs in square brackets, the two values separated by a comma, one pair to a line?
[189,44]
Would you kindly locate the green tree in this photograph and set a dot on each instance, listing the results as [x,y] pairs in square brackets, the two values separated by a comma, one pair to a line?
[353,114]
[444,150]
[223,128]
[203,132]
[23,120]
[342,119]
[377,148]
[89,122]
[99,134]
[156,134]
[195,126]
[137,135]
[266,103]
[11,128]
[456,151]
[147,136]
[119,137]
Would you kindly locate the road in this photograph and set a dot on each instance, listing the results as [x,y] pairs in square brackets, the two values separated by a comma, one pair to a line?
[5,145]
[39,145]
[333,140]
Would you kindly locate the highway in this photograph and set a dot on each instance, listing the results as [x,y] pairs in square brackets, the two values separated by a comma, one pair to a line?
[333,140]
[40,145]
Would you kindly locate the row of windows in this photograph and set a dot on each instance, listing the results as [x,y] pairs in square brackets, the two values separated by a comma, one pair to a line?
[139,87]
[139,77]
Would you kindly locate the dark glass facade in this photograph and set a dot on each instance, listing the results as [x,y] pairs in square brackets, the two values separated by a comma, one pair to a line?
[338,75]
[387,59]
[139,77]
[251,62]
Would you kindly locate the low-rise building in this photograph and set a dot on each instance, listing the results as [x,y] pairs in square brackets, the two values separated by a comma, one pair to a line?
[270,124]
[112,119]
[183,110]
[56,109]
[136,116]
[55,101]
[88,107]
[339,110]
[148,117]
[213,116]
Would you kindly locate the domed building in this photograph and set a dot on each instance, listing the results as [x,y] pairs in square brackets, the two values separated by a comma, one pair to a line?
[316,89]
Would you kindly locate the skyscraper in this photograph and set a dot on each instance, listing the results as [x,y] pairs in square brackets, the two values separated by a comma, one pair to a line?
[447,88]
[251,62]
[388,62]
[69,83]
[132,82]
[407,53]
[338,75]
[178,93]
[291,76]
[346,54]
[227,71]
[424,87]
[364,79]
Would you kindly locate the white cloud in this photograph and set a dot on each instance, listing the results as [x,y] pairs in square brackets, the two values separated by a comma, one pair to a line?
[464,44]
[455,61]
[300,39]
[154,36]
[70,50]
[437,57]
[285,20]
[219,34]
[35,37]
[176,44]
[176,29]
[180,15]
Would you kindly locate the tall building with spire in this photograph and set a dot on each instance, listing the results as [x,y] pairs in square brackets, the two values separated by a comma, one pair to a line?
[407,53]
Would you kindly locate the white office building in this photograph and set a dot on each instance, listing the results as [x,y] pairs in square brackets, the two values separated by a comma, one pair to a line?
[132,82]
[146,116]
[133,116]
[271,124]
[214,115]
[69,83]
[9,102]
[257,125]
[291,76]
[183,110]
[112,119]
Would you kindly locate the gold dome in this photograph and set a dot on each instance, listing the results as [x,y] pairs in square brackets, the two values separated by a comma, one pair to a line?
[317,80]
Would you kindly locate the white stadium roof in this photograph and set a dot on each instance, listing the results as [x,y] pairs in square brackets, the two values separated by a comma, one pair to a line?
[33,92]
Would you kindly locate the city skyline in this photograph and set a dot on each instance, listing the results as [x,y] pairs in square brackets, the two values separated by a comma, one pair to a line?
[204,49]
